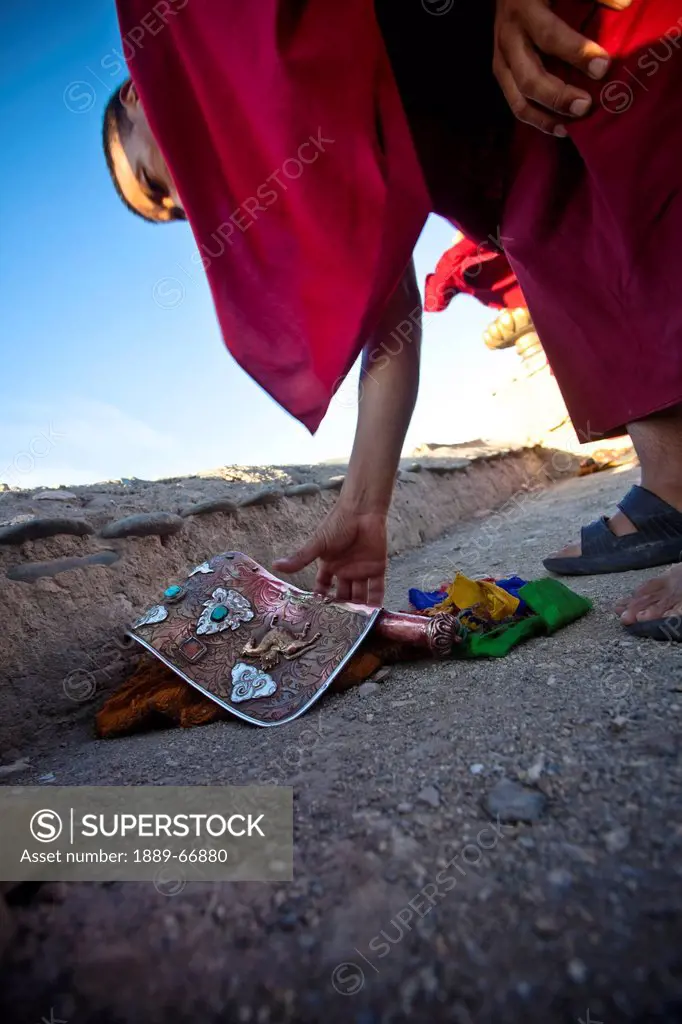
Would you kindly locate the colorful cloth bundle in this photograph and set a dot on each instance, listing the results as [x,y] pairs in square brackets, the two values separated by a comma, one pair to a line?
[500,614]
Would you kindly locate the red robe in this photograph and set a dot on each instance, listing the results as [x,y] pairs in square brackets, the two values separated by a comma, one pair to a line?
[302,256]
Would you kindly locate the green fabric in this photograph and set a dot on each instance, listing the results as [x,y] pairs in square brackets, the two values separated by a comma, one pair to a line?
[554,602]
[554,605]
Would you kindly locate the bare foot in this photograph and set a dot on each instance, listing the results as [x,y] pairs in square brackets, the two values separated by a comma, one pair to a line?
[619,525]
[658,599]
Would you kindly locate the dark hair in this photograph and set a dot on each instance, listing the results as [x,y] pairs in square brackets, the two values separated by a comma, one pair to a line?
[117,123]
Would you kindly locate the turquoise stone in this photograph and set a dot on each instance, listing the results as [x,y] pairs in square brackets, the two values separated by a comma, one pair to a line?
[219,613]
[172,592]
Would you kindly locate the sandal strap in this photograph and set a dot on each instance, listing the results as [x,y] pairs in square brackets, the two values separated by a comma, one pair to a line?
[654,518]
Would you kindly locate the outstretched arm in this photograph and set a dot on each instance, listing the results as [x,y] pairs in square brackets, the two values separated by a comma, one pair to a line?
[350,544]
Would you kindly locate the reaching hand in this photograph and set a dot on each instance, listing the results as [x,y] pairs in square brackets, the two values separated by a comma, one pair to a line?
[526,29]
[351,549]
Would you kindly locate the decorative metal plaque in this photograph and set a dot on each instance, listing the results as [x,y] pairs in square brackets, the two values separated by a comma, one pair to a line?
[259,647]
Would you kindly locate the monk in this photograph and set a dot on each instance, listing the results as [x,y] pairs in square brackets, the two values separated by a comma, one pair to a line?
[306,143]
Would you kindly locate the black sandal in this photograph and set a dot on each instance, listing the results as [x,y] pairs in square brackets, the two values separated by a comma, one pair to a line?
[658,540]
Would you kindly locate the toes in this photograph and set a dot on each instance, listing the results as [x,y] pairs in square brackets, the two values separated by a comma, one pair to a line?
[645,597]
[658,610]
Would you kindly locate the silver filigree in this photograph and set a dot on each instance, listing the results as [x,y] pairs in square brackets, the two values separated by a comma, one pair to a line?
[249,683]
[238,611]
[203,568]
[150,618]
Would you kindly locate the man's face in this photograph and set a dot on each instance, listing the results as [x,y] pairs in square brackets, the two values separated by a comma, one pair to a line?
[140,168]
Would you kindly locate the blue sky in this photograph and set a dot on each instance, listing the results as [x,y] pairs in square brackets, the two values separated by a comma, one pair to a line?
[97,381]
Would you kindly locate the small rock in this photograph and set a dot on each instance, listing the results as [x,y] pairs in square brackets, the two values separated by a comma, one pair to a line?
[48,777]
[430,795]
[381,674]
[287,920]
[144,524]
[13,769]
[546,925]
[55,496]
[415,467]
[404,808]
[477,768]
[618,723]
[334,483]
[560,877]
[38,529]
[266,496]
[368,689]
[205,507]
[511,802]
[617,839]
[577,971]
[535,771]
[302,490]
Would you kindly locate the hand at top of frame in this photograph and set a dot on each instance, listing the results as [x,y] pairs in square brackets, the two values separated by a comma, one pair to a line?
[351,550]
[524,31]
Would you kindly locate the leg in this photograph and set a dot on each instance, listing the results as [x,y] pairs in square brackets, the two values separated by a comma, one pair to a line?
[658,443]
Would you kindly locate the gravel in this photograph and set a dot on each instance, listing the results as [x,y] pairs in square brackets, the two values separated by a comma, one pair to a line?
[401,911]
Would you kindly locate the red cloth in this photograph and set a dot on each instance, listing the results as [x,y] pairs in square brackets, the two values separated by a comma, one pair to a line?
[471,269]
[235,90]
[593,224]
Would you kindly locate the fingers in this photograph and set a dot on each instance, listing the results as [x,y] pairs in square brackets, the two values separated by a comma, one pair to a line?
[359,591]
[523,109]
[307,554]
[524,38]
[555,38]
[324,581]
[375,592]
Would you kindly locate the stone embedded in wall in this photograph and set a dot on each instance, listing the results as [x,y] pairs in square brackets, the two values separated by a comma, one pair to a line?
[39,529]
[29,572]
[266,496]
[334,483]
[302,490]
[57,495]
[144,524]
[205,507]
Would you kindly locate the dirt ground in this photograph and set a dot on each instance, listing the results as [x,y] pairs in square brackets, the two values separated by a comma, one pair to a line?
[576,917]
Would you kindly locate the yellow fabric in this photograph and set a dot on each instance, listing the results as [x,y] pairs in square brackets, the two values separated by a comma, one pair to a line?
[486,600]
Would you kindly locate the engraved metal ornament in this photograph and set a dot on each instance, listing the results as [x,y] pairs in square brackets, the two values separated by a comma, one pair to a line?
[273,653]
[279,639]
[238,611]
[249,683]
[150,618]
[203,569]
